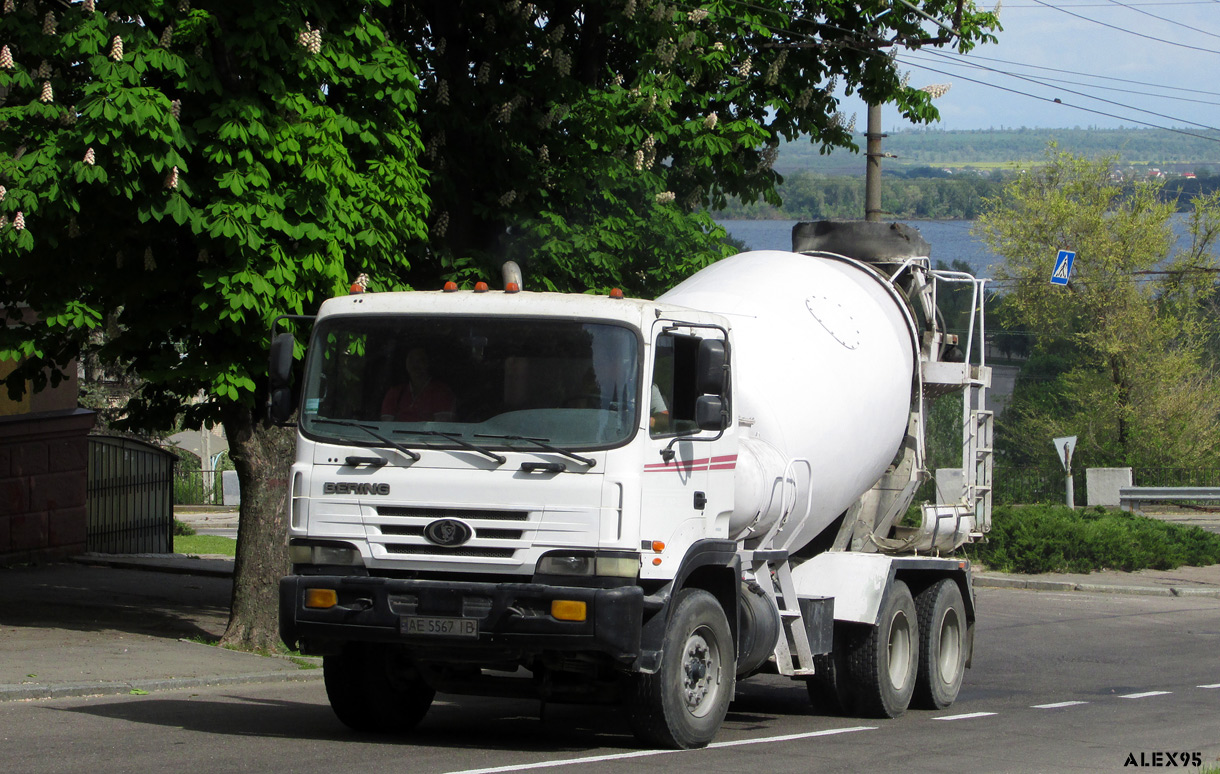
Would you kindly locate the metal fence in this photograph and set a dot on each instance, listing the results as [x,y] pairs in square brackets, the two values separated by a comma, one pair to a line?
[1027,485]
[1176,476]
[197,487]
[130,505]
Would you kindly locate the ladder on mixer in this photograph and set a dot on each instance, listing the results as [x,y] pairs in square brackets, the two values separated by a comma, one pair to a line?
[978,454]
[768,562]
[793,652]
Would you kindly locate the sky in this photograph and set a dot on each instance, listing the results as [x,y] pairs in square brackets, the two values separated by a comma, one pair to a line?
[1099,70]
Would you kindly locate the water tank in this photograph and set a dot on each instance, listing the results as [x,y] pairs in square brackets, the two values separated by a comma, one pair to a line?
[824,353]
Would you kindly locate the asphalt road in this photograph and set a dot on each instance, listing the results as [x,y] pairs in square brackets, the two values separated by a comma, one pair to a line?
[1061,682]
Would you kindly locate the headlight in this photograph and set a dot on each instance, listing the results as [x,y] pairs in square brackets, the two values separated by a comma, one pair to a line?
[614,564]
[328,554]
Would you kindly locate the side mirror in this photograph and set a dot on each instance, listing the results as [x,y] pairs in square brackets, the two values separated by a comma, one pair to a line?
[710,413]
[281,361]
[711,367]
[282,405]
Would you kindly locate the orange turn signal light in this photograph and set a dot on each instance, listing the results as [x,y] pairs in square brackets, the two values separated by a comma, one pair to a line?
[569,610]
[321,599]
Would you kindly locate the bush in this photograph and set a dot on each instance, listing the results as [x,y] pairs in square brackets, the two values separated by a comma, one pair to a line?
[182,529]
[1055,538]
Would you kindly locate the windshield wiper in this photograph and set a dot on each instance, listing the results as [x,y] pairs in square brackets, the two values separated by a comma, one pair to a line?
[414,455]
[459,440]
[542,444]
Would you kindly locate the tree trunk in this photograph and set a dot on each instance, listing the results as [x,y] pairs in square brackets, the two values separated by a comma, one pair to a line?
[262,455]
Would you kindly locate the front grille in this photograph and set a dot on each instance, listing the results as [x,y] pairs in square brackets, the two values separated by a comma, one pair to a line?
[467,551]
[431,514]
[416,530]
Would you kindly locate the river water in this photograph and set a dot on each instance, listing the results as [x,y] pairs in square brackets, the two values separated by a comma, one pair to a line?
[951,240]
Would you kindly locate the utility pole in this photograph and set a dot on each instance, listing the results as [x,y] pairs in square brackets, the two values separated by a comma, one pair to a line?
[872,171]
[872,150]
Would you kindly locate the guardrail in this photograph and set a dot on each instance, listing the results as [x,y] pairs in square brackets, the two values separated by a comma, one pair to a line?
[1130,497]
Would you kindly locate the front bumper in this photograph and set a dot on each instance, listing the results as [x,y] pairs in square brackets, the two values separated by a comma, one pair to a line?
[513,619]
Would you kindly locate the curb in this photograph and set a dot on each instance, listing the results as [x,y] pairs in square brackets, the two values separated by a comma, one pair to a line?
[1030,584]
[70,690]
[181,564]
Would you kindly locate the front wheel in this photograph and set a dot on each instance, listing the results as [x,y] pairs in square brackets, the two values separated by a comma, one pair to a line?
[942,645]
[684,703]
[375,689]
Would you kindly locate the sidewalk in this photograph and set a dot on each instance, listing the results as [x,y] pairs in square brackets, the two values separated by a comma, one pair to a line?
[1182,582]
[107,627]
[117,624]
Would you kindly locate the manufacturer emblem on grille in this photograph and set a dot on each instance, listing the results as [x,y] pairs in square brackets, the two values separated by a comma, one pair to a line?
[448,532]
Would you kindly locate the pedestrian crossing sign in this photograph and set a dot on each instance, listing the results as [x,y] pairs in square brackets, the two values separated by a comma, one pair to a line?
[1063,267]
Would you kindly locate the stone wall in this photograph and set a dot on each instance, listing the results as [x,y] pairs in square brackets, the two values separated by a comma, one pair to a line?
[43,484]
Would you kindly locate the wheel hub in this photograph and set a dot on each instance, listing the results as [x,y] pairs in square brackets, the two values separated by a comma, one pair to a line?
[699,683]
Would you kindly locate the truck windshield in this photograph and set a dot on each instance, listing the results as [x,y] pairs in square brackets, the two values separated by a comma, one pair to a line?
[494,382]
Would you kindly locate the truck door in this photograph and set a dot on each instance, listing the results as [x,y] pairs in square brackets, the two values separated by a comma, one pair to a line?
[686,470]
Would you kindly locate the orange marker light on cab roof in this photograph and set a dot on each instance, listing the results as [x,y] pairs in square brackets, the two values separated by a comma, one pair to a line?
[512,287]
[480,287]
[355,289]
[450,287]
[616,293]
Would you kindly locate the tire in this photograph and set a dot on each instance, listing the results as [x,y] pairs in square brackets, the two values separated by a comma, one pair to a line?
[882,661]
[684,703]
[825,686]
[829,689]
[942,645]
[375,689]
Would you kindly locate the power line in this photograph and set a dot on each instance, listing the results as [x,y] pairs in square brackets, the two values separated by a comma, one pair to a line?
[1123,29]
[1086,96]
[817,41]
[1103,5]
[974,56]
[1058,101]
[1046,81]
[1131,7]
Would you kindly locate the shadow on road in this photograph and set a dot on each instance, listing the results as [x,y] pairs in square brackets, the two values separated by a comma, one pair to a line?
[99,599]
[454,722]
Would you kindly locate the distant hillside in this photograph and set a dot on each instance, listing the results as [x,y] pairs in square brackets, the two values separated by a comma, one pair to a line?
[1004,148]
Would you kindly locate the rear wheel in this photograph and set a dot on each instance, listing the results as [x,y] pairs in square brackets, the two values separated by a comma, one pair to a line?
[684,703]
[882,661]
[375,689]
[942,645]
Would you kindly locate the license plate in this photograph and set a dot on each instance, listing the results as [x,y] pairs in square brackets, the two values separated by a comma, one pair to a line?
[428,626]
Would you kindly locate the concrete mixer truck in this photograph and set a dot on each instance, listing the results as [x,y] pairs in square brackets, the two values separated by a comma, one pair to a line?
[637,502]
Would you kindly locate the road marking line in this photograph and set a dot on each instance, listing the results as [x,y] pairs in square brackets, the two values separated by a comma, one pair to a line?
[1058,704]
[647,753]
[967,716]
[1213,685]
[1144,695]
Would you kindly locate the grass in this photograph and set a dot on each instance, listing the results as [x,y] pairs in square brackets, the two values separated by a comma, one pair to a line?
[204,544]
[295,656]
[1055,538]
